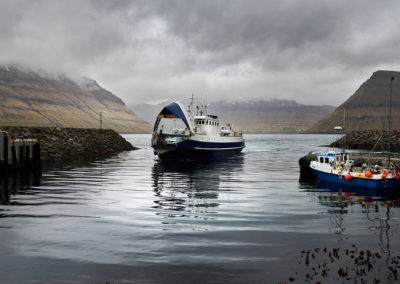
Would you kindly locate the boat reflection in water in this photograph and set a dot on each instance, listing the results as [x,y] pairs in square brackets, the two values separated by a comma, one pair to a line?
[334,195]
[377,208]
[190,189]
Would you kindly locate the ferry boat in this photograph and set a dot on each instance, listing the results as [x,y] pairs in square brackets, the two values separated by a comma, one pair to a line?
[178,134]
[337,167]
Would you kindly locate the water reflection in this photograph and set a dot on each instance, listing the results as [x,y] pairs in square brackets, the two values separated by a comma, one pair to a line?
[377,207]
[15,183]
[57,183]
[191,188]
[338,195]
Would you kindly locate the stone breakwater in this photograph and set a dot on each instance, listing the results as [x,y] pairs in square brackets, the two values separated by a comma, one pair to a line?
[368,139]
[56,143]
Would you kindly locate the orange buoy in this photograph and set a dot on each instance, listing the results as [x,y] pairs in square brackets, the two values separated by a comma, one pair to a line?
[385,174]
[368,174]
[347,176]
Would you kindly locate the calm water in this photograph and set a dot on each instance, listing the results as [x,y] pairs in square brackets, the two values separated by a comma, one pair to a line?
[130,218]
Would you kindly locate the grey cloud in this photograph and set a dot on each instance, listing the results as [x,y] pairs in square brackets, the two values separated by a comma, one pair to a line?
[311,51]
[296,28]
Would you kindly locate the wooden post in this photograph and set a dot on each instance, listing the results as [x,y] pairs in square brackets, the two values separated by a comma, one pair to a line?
[14,156]
[27,157]
[21,156]
[5,151]
[36,153]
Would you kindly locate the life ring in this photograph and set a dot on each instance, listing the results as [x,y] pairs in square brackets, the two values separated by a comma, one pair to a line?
[396,174]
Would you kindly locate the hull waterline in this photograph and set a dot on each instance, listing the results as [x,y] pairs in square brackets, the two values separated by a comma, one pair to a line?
[358,182]
[190,149]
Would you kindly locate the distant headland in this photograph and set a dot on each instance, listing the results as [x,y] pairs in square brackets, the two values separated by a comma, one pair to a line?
[367,108]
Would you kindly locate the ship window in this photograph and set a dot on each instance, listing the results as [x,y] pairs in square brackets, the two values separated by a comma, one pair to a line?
[321,160]
[326,160]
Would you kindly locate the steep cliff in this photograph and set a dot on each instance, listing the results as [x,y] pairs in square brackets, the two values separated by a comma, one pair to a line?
[368,107]
[28,98]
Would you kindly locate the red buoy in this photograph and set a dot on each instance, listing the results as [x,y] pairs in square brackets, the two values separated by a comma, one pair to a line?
[347,176]
[385,174]
[368,174]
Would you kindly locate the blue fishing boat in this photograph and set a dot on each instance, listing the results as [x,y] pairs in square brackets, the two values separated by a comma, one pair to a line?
[178,134]
[337,167]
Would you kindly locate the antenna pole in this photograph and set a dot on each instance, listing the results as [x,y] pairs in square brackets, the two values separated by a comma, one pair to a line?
[390,114]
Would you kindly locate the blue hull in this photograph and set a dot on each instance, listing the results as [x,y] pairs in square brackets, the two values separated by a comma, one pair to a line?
[359,182]
[190,149]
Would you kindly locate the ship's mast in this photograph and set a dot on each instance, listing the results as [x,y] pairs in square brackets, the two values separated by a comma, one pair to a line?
[191,104]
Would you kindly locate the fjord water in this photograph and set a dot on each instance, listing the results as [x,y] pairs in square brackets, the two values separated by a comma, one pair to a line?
[130,218]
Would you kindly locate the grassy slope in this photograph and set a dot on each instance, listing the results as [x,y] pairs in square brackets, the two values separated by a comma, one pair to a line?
[368,108]
[28,99]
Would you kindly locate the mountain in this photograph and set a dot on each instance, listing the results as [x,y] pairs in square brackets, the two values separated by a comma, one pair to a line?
[367,108]
[28,98]
[277,116]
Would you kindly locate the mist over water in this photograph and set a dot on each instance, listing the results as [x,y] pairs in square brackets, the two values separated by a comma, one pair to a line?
[130,218]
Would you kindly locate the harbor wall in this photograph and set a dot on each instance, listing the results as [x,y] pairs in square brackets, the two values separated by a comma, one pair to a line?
[368,139]
[57,143]
[18,154]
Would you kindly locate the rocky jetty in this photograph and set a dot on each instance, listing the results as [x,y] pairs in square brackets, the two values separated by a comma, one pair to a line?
[56,143]
[376,140]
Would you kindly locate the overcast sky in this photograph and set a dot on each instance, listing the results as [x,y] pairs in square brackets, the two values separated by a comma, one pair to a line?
[316,52]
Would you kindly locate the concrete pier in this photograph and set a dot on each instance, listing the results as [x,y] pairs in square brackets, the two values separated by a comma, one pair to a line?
[18,154]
